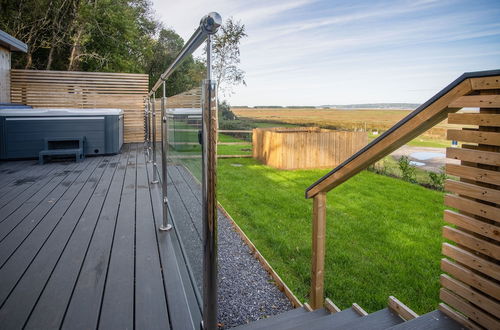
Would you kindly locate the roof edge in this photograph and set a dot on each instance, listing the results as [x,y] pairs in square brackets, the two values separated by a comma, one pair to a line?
[11,43]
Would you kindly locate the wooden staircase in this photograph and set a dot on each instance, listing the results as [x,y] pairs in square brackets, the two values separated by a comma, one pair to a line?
[395,316]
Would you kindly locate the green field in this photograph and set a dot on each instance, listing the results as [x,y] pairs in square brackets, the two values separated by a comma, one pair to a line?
[383,234]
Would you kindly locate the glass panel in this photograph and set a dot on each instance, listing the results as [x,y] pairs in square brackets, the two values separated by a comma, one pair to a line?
[184,186]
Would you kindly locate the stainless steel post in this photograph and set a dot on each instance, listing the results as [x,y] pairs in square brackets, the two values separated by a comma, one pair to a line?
[164,147]
[146,134]
[149,132]
[209,198]
[155,166]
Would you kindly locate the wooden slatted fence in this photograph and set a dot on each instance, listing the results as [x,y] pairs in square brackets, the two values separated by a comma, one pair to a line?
[85,90]
[471,287]
[305,147]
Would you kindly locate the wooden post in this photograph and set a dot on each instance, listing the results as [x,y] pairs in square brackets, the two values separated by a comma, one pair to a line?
[318,251]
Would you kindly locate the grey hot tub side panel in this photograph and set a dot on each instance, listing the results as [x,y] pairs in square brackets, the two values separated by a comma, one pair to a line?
[23,137]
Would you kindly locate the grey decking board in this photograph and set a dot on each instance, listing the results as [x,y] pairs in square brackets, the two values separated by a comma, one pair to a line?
[289,322]
[58,252]
[43,262]
[334,320]
[183,307]
[90,283]
[38,256]
[381,319]
[20,185]
[150,309]
[7,208]
[32,202]
[60,286]
[23,179]
[273,320]
[13,205]
[24,222]
[117,308]
[435,320]
[11,171]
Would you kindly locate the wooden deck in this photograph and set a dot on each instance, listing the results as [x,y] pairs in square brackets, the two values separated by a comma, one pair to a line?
[80,249]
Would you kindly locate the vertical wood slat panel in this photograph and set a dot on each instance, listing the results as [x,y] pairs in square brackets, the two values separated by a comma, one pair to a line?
[85,90]
[305,147]
[188,99]
[476,234]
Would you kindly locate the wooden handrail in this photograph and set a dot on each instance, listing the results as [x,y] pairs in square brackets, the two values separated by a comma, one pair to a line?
[423,118]
[462,92]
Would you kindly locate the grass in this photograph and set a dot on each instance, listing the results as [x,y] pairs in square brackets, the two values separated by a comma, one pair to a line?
[423,141]
[383,234]
[234,149]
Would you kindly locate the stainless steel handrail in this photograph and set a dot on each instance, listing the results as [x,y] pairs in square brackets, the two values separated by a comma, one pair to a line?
[209,25]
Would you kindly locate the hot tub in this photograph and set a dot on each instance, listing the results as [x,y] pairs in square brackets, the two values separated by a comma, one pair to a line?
[23,131]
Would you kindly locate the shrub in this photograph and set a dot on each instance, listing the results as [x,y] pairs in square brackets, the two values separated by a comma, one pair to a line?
[408,172]
[379,168]
[225,112]
[437,179]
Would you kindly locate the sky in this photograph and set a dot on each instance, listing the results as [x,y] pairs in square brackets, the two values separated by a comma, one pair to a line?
[317,52]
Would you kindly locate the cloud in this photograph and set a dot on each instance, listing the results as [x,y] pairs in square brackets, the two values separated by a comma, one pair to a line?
[330,51]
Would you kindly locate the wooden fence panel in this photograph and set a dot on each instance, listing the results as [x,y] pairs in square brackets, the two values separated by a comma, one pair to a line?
[472,287]
[305,147]
[85,90]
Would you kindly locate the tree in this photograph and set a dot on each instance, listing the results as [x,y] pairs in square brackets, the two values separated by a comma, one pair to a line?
[226,56]
[97,35]
[111,35]
[187,76]
[88,35]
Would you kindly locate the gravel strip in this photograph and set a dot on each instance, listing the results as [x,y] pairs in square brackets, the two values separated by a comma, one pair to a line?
[246,291]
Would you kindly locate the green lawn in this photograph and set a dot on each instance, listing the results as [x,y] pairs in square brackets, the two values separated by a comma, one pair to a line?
[383,235]
[245,149]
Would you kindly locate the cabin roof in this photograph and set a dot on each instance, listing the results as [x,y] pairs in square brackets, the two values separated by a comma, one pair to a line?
[11,43]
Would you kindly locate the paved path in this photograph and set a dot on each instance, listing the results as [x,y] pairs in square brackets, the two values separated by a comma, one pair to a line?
[426,158]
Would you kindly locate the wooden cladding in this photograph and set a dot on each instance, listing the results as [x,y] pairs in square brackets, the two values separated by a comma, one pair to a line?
[473,261]
[189,99]
[305,147]
[85,90]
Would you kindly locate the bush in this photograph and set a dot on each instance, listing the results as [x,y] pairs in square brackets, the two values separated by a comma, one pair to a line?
[437,179]
[225,112]
[379,168]
[408,172]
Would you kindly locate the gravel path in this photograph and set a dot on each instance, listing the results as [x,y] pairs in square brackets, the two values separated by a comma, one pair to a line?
[246,291]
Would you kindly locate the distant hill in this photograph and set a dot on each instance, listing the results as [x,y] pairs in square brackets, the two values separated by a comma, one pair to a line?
[373,106]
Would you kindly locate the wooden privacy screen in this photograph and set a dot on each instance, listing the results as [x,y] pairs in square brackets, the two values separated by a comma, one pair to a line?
[305,147]
[85,90]
[471,285]
[189,99]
